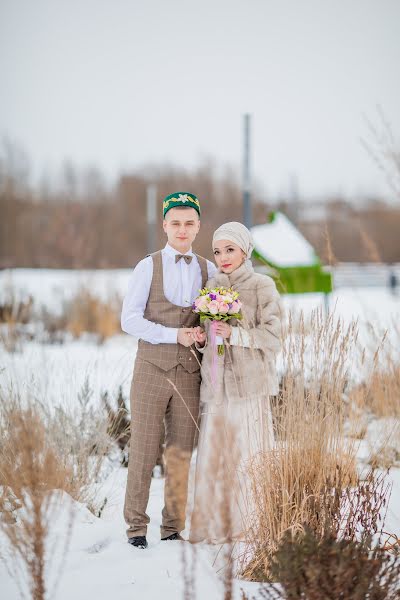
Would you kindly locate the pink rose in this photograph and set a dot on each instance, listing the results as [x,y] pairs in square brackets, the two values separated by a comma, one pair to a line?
[223,308]
[234,308]
[201,301]
[213,307]
[200,304]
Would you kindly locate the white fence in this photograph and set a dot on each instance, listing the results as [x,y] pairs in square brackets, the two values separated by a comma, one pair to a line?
[365,275]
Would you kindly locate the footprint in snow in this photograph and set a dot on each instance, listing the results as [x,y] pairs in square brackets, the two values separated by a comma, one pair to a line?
[98,546]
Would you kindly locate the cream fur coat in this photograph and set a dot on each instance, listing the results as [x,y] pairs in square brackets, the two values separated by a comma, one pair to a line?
[247,368]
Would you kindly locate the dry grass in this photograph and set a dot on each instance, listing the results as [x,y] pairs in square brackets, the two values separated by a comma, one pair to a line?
[374,404]
[298,482]
[30,472]
[119,424]
[309,479]
[84,313]
[14,312]
[87,313]
[41,453]
[379,393]
[70,444]
[216,505]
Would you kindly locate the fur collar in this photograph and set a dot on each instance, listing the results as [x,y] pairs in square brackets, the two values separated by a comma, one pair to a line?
[238,276]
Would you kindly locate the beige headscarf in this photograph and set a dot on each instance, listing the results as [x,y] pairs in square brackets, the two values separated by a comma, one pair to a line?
[238,234]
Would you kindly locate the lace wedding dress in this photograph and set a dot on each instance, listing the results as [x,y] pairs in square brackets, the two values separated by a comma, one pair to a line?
[233,437]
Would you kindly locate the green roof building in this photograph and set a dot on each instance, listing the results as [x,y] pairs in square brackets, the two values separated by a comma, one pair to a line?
[289,258]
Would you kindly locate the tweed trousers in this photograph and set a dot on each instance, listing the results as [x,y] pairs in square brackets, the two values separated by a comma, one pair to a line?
[155,402]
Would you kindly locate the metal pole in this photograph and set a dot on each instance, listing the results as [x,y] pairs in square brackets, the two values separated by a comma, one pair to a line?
[151,193]
[247,216]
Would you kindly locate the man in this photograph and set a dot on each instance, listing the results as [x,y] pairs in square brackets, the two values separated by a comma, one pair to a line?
[157,310]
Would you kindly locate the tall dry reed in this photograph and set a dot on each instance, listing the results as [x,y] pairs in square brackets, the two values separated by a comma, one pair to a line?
[296,484]
[43,452]
[379,392]
[30,473]
[309,478]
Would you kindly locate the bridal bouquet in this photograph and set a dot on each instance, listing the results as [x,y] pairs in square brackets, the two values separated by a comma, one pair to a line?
[217,304]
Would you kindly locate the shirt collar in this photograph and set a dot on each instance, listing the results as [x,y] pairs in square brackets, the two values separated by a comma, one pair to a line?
[170,251]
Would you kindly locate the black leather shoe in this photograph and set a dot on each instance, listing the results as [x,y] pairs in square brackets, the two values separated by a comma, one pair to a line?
[173,536]
[139,541]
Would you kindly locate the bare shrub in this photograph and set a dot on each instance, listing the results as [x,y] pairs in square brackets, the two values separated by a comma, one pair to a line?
[308,566]
[350,559]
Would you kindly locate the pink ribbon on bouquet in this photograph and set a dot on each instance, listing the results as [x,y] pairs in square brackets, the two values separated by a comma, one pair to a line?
[214,365]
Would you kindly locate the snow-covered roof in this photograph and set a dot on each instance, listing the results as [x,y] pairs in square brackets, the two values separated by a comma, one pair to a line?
[280,243]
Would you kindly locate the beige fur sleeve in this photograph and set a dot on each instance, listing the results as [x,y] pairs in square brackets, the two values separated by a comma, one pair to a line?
[267,334]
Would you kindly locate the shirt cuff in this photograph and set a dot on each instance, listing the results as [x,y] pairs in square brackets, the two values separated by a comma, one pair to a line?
[200,348]
[170,335]
[239,337]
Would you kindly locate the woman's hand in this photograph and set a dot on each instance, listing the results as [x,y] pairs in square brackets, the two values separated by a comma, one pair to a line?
[199,335]
[223,329]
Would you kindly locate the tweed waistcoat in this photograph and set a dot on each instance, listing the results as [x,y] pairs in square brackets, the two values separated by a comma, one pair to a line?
[160,310]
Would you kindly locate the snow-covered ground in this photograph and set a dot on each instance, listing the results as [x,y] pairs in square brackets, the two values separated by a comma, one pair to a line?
[99,563]
[56,372]
[52,287]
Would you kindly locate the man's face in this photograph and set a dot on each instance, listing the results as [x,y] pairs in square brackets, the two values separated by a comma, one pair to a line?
[181,226]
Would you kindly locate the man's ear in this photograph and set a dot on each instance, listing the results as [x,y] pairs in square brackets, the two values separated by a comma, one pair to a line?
[164,225]
[198,228]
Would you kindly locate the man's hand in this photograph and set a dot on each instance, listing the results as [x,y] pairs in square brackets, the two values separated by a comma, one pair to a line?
[199,335]
[185,336]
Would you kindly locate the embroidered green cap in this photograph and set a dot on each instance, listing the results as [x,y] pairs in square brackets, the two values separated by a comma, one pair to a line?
[180,199]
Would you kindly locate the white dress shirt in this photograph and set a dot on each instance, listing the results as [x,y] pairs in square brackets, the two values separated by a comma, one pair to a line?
[182,283]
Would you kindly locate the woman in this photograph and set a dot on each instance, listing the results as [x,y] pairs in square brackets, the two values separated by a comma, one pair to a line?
[236,420]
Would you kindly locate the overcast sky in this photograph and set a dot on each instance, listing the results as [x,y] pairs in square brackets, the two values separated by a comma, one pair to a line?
[121,83]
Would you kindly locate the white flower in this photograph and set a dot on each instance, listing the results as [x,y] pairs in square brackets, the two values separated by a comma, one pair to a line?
[183,198]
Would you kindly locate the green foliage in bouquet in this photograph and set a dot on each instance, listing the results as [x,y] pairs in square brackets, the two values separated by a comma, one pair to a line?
[218,304]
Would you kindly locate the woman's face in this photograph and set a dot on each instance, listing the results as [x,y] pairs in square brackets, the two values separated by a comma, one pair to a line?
[228,256]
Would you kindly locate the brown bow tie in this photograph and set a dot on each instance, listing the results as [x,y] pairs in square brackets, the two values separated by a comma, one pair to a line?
[186,258]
